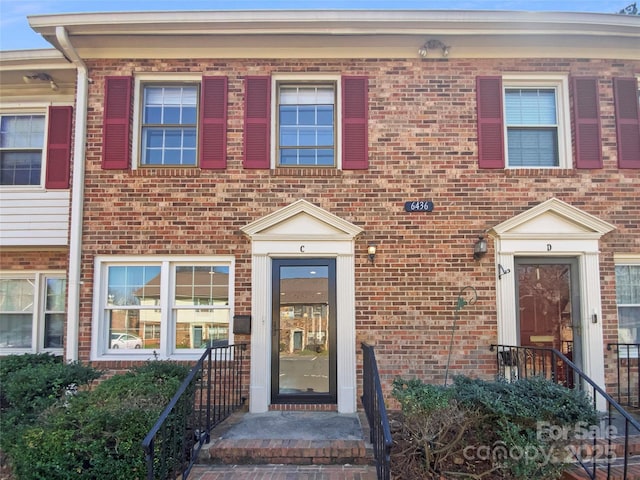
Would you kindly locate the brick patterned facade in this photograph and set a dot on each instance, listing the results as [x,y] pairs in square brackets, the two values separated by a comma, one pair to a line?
[422,145]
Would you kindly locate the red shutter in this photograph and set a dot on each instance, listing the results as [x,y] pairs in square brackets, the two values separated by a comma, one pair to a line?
[586,113]
[355,128]
[116,146]
[59,148]
[625,91]
[213,123]
[490,124]
[257,119]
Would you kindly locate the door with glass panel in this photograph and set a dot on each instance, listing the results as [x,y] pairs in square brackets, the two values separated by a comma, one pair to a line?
[549,305]
[303,361]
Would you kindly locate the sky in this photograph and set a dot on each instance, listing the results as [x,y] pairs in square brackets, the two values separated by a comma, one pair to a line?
[16,34]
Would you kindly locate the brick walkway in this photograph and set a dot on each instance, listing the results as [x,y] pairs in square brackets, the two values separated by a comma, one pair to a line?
[283,472]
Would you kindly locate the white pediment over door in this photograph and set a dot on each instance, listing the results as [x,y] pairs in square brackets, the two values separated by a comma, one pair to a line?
[553,229]
[304,221]
[552,219]
[302,230]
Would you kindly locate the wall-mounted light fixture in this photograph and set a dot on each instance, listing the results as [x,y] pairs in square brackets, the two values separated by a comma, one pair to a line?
[434,44]
[40,77]
[479,248]
[371,251]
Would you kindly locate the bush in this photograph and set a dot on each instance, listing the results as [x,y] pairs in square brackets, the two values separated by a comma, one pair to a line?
[32,383]
[483,428]
[98,433]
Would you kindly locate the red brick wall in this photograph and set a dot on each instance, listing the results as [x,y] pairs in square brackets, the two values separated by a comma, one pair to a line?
[422,145]
[17,260]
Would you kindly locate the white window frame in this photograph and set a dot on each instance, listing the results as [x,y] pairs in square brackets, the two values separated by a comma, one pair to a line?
[39,306]
[30,109]
[285,78]
[140,81]
[626,260]
[100,350]
[560,83]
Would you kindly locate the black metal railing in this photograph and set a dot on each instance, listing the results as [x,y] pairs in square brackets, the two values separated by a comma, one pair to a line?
[610,448]
[628,373]
[376,412]
[210,393]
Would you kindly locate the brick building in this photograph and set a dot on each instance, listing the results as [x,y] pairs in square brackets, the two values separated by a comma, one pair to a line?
[245,163]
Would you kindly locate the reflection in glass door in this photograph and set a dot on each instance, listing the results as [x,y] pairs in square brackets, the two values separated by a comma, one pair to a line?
[303,366]
[549,304]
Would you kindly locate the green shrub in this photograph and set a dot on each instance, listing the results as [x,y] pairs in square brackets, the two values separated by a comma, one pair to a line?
[31,384]
[98,433]
[442,427]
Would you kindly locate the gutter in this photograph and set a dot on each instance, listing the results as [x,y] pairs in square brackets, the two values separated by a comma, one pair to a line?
[77,197]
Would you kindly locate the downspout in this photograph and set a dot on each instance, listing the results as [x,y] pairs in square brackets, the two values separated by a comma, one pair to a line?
[77,196]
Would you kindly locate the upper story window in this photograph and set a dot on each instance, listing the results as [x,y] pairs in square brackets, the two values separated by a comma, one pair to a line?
[169,125]
[32,312]
[306,125]
[524,122]
[179,120]
[532,127]
[21,149]
[537,126]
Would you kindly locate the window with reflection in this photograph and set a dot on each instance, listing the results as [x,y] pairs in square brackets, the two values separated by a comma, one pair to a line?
[628,300]
[32,312]
[169,307]
[201,305]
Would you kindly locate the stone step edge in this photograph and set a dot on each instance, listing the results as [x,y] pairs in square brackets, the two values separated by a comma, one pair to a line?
[287,452]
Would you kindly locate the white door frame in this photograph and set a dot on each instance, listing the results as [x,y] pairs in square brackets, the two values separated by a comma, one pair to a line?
[302,230]
[554,229]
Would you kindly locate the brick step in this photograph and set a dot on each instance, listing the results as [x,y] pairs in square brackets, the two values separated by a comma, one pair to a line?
[283,472]
[616,472]
[287,452]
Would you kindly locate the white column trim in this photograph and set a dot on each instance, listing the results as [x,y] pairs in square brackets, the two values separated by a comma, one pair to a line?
[346,334]
[260,379]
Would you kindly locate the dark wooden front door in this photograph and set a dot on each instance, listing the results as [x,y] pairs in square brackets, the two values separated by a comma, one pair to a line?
[548,304]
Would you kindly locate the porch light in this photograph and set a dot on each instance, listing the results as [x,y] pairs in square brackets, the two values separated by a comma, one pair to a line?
[371,251]
[40,77]
[479,248]
[433,45]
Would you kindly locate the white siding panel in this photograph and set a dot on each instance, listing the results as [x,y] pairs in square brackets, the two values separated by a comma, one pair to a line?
[34,218]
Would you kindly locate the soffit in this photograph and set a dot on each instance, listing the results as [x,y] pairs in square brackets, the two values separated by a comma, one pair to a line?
[15,65]
[343,34]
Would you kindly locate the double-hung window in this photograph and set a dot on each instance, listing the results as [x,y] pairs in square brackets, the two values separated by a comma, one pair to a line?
[628,302]
[21,149]
[169,125]
[535,119]
[306,124]
[524,121]
[170,306]
[532,127]
[32,312]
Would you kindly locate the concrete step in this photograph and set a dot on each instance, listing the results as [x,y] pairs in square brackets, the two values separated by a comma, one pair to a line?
[290,438]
